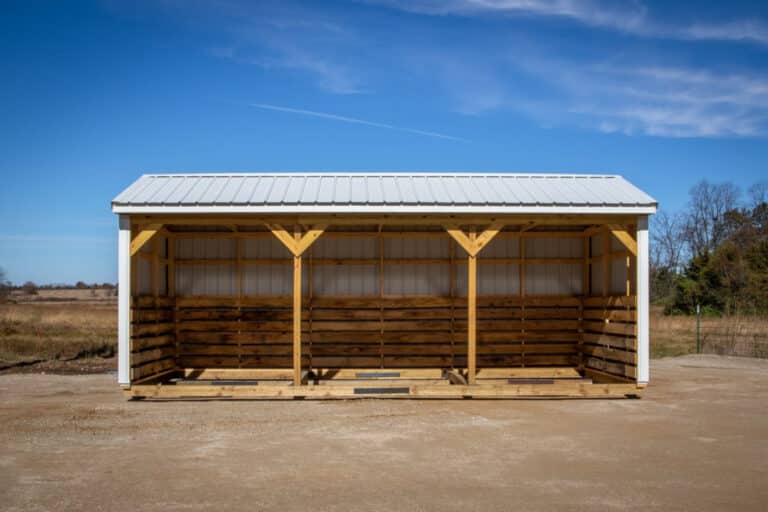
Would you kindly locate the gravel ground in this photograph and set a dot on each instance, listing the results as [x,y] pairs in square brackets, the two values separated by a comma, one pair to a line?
[698,440]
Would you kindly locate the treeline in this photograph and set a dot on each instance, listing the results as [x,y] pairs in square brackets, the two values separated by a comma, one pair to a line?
[29,287]
[714,253]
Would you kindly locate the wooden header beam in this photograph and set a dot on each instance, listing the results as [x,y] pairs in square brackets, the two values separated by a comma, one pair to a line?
[521,220]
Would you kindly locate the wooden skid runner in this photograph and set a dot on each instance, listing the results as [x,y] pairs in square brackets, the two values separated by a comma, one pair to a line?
[395,390]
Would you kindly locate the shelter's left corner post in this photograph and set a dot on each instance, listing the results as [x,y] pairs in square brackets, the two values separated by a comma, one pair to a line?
[643,302]
[124,302]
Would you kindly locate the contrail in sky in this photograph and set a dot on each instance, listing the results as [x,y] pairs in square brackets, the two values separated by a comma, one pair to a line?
[345,119]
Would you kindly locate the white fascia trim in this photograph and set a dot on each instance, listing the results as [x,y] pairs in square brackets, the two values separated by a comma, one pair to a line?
[444,210]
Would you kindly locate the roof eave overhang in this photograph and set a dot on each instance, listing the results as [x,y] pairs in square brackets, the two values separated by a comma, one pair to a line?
[385,209]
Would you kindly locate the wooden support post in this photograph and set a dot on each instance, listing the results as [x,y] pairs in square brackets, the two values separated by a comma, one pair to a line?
[381,296]
[170,279]
[155,268]
[586,286]
[472,245]
[297,244]
[310,294]
[606,260]
[521,275]
[297,315]
[472,312]
[586,281]
[452,293]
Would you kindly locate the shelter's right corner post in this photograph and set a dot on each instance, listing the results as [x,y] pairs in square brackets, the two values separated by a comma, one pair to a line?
[643,300]
[124,302]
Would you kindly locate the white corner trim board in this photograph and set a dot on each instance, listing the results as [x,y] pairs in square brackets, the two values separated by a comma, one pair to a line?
[643,298]
[124,302]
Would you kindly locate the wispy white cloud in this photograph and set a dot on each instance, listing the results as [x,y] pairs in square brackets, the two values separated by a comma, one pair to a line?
[354,120]
[631,17]
[656,101]
[290,37]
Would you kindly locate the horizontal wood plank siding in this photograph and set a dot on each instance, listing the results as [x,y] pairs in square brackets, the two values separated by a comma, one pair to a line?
[609,340]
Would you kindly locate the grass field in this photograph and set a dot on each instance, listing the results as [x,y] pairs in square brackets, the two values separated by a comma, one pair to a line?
[35,332]
[66,330]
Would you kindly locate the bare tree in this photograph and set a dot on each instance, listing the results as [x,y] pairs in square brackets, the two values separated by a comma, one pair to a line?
[5,285]
[706,223]
[29,288]
[758,194]
[666,241]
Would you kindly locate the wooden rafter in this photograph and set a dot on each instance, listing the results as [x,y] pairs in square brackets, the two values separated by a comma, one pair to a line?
[145,234]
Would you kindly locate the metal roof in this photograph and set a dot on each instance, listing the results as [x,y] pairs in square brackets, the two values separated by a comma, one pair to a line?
[382,193]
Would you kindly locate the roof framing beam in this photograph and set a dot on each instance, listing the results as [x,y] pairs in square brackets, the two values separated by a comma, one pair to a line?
[388,220]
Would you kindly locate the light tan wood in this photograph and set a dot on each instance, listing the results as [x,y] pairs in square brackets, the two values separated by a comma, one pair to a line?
[473,246]
[299,243]
[376,261]
[370,234]
[472,312]
[155,268]
[297,315]
[606,261]
[562,389]
[343,219]
[171,284]
[623,235]
[143,236]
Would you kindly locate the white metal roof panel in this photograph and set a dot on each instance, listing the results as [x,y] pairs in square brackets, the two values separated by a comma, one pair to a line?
[382,192]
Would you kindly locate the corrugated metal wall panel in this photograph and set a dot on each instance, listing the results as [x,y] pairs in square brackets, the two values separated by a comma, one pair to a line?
[346,248]
[399,279]
[553,280]
[416,280]
[205,248]
[340,280]
[218,280]
[264,247]
[495,279]
[416,247]
[554,248]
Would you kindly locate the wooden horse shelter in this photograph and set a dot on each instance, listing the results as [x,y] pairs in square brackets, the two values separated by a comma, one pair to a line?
[352,285]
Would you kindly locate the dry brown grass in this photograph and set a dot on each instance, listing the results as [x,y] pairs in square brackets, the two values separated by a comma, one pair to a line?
[735,335]
[56,331]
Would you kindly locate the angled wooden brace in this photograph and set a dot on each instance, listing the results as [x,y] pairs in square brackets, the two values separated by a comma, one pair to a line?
[474,246]
[297,244]
[145,235]
[623,236]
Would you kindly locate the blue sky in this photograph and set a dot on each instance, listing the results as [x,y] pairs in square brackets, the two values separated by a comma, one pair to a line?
[95,93]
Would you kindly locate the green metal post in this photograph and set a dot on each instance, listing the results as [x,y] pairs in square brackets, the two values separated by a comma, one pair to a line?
[698,329]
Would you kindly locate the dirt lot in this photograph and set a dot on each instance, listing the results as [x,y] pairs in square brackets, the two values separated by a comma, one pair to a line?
[697,441]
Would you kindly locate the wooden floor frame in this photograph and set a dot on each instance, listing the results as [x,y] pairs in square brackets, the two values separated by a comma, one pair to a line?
[377,383]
